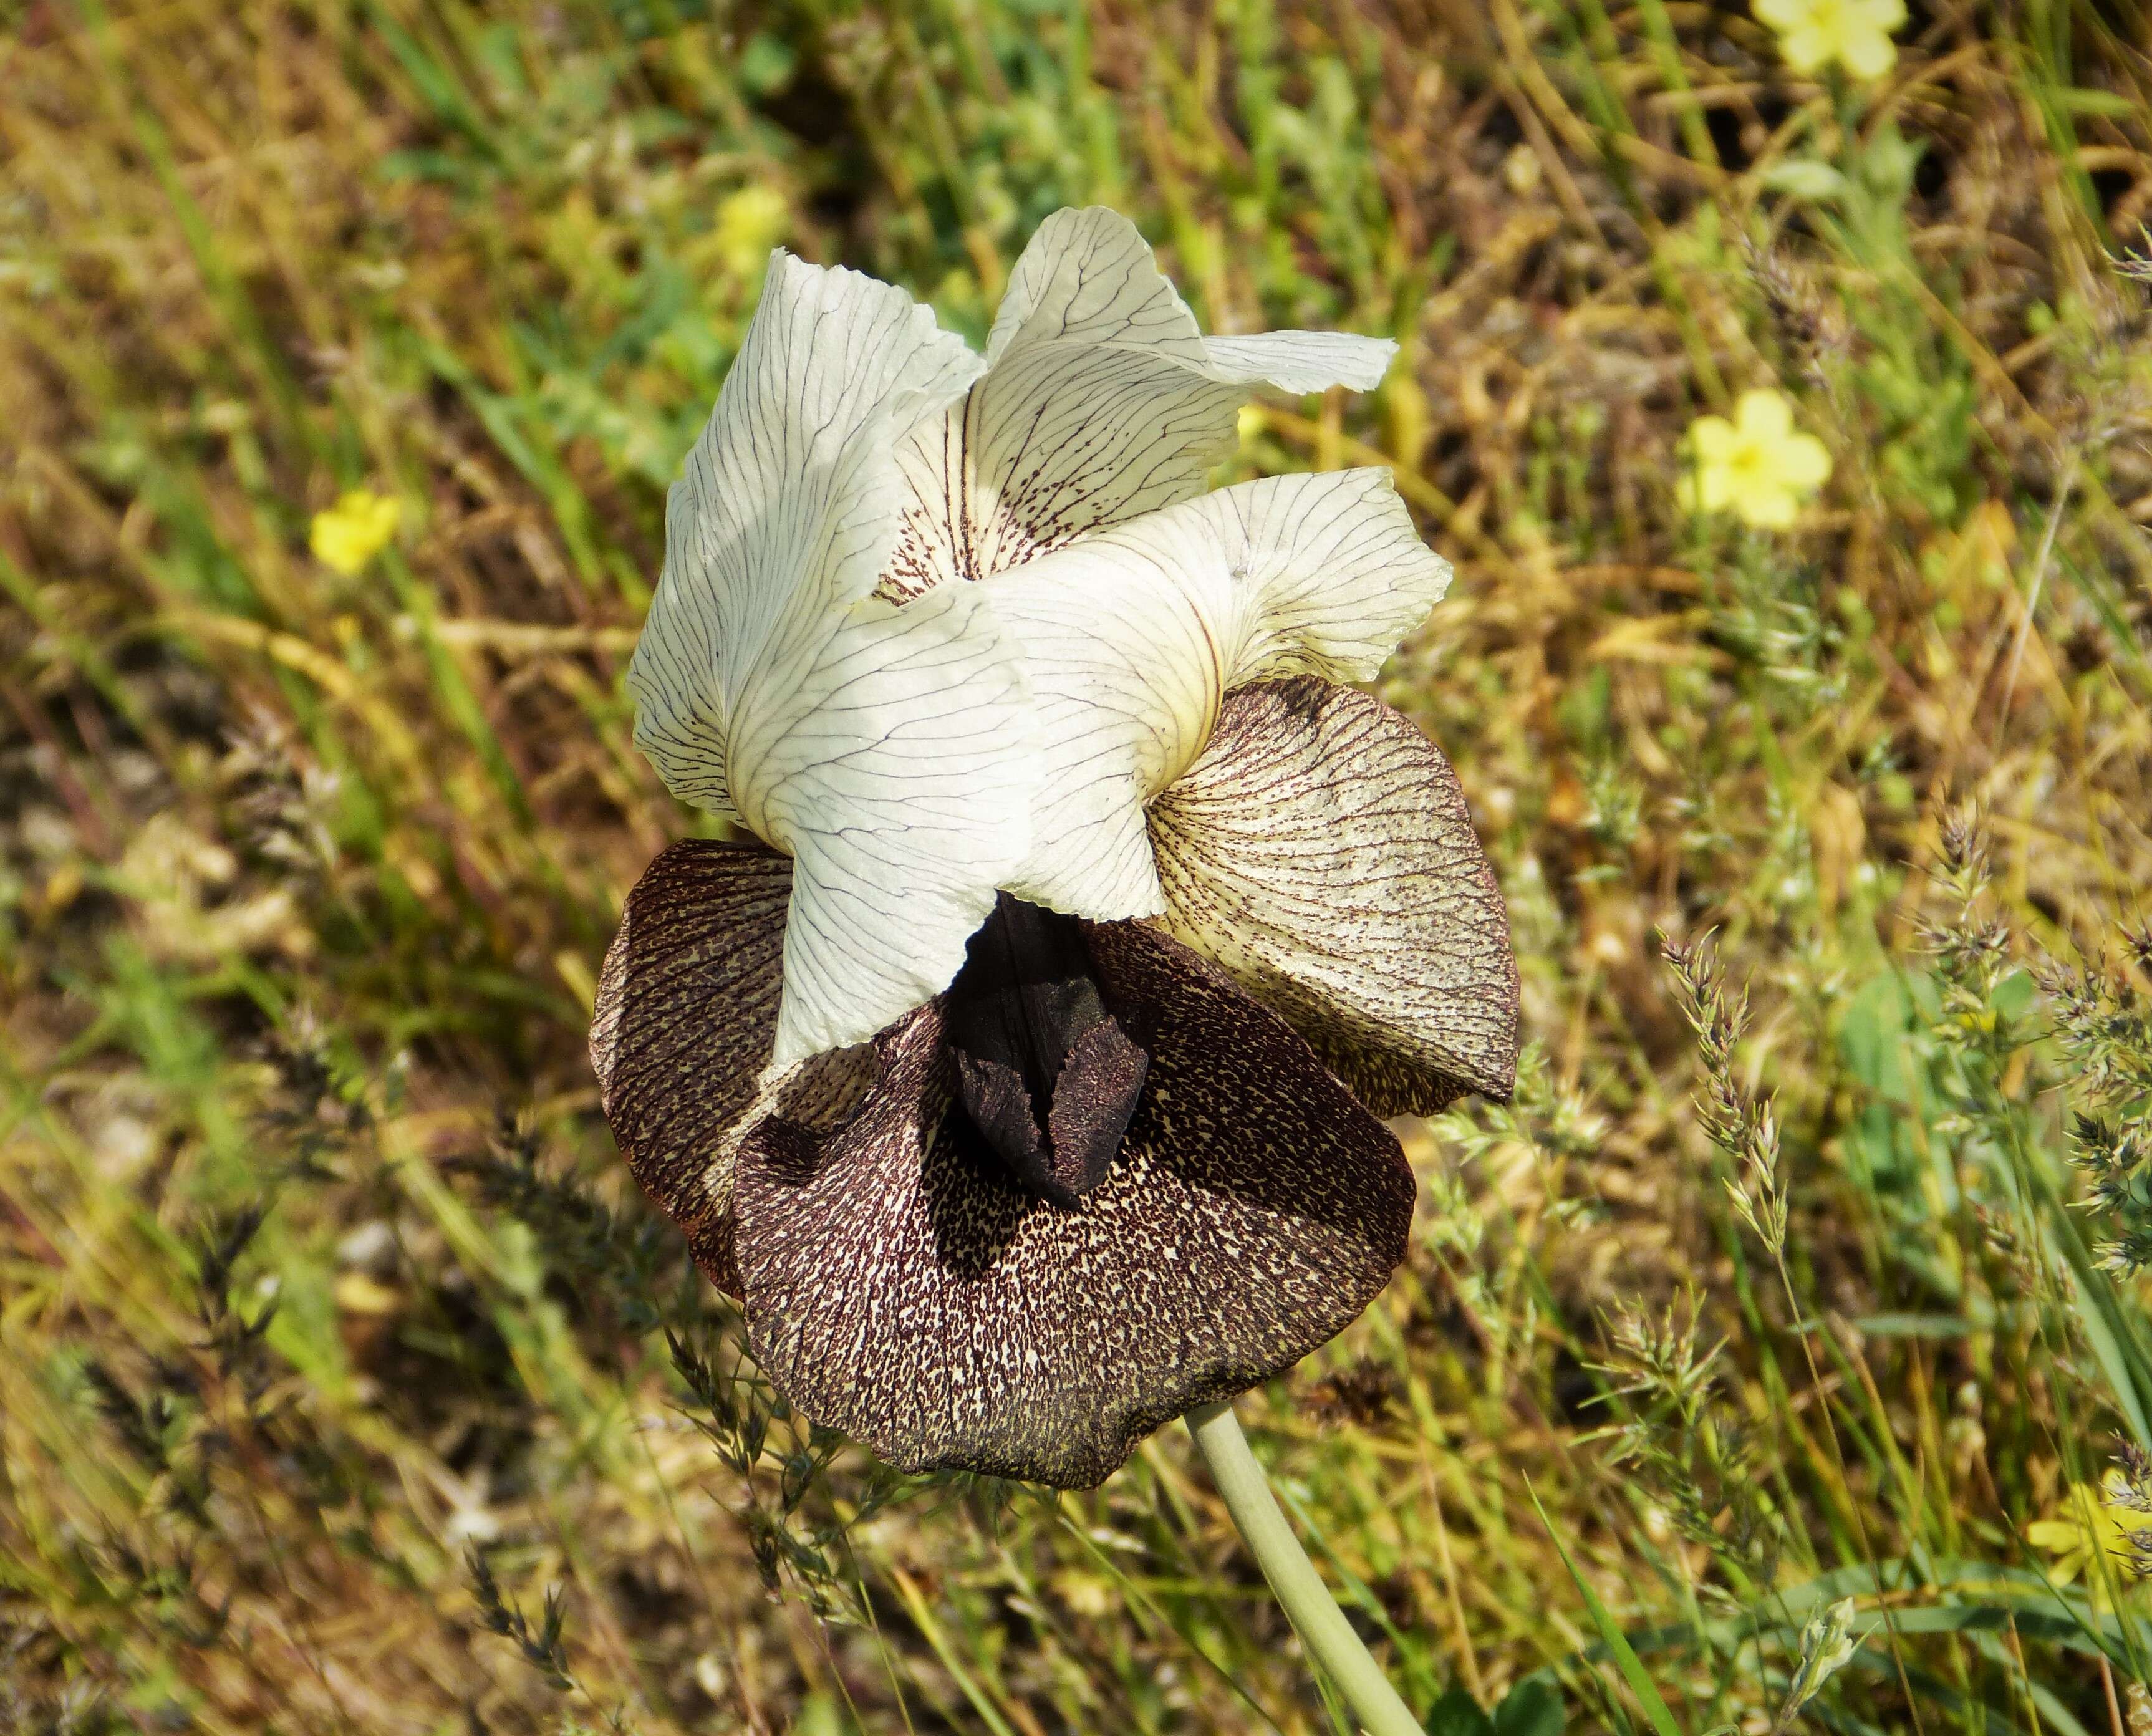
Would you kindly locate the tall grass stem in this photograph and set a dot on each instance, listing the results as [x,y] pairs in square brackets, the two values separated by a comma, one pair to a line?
[1299,1588]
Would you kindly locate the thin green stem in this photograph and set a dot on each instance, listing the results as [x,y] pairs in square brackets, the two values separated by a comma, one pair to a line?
[1299,1588]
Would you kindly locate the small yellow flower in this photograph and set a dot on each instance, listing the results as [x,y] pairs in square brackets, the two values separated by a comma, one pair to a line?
[2090,1525]
[750,222]
[1857,33]
[354,531]
[1755,466]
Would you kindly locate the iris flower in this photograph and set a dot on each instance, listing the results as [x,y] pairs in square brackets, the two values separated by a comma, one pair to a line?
[1019,1068]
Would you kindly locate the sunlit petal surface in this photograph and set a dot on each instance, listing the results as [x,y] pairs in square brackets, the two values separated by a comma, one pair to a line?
[1133,637]
[882,751]
[1757,466]
[896,769]
[1102,400]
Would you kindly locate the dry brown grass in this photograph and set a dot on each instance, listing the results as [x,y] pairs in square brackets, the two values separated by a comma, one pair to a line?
[306,878]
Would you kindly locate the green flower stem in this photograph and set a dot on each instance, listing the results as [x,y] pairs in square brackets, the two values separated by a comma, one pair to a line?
[1314,1613]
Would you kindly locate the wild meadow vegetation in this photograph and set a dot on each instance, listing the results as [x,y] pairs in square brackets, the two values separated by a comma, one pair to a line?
[1778,1359]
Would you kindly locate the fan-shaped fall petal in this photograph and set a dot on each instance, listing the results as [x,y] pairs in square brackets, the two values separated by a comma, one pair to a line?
[685,1020]
[1133,637]
[900,1286]
[1102,400]
[882,750]
[1319,850]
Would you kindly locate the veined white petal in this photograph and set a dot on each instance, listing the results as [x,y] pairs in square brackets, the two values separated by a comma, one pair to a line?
[1304,361]
[884,750]
[1102,401]
[1087,276]
[894,762]
[1133,637]
[783,511]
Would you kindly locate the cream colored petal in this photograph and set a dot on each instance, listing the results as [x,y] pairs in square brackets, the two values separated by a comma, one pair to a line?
[1102,401]
[1711,437]
[1715,486]
[1807,47]
[1087,276]
[1765,502]
[782,513]
[894,763]
[1321,852]
[883,750]
[1133,637]
[1303,362]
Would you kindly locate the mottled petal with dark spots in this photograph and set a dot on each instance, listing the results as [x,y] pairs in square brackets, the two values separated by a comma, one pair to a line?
[1320,851]
[686,1015]
[901,1287]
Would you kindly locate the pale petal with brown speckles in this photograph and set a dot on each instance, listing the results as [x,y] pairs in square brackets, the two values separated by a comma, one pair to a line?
[886,750]
[1132,637]
[1320,851]
[1102,400]
[900,1287]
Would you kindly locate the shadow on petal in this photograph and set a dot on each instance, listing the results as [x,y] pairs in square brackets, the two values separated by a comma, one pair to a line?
[903,1286]
[685,1020]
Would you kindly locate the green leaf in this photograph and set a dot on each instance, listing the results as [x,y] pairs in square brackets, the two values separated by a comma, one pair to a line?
[1804,178]
[1533,1707]
[1457,1713]
[1872,1037]
[2107,104]
[1624,1657]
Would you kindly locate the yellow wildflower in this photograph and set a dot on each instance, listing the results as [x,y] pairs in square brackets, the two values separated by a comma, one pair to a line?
[750,222]
[1857,33]
[2091,1525]
[354,531]
[1755,466]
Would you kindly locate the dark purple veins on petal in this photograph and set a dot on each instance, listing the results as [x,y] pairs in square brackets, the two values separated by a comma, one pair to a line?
[1045,1070]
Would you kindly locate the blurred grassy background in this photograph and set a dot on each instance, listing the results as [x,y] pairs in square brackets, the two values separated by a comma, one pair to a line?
[346,1384]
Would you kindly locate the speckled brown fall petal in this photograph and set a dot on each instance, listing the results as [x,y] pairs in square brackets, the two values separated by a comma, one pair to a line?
[1319,850]
[686,1015]
[901,1287]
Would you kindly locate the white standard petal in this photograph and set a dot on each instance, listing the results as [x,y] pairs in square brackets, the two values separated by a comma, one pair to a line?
[1302,362]
[895,765]
[1102,401]
[884,750]
[1133,637]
